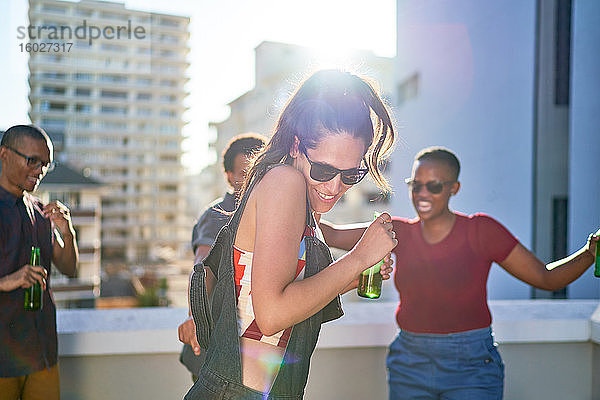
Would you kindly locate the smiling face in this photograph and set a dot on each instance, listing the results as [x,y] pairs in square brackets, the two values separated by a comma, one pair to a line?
[430,206]
[16,176]
[340,151]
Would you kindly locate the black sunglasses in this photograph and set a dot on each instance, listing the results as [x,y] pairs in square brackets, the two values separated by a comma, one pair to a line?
[323,172]
[433,187]
[34,162]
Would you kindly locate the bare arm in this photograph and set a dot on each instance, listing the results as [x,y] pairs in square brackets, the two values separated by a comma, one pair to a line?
[65,254]
[279,301]
[524,265]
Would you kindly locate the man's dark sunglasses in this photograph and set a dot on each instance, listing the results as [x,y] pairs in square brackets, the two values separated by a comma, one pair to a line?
[433,187]
[34,162]
[323,172]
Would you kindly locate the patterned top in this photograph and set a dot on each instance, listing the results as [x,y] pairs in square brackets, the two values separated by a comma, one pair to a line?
[247,326]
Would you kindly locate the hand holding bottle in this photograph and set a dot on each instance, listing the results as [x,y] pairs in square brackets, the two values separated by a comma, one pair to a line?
[376,242]
[24,278]
[591,244]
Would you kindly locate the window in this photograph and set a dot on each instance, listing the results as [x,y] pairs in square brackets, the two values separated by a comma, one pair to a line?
[113,125]
[54,123]
[144,96]
[113,94]
[409,89]
[59,107]
[53,90]
[167,98]
[113,110]
[83,108]
[168,39]
[84,123]
[113,78]
[54,75]
[168,129]
[84,12]
[81,139]
[144,81]
[118,17]
[83,77]
[168,83]
[83,92]
[69,199]
[54,9]
[167,188]
[562,52]
[169,22]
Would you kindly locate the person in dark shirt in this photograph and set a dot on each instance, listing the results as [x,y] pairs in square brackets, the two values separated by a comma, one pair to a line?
[28,340]
[235,161]
[445,348]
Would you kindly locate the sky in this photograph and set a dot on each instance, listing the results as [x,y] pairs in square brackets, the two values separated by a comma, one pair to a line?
[223,35]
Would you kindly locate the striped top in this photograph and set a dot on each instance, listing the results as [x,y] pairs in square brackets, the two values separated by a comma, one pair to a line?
[247,326]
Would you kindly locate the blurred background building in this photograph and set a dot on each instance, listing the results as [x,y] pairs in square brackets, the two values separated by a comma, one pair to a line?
[279,68]
[116,105]
[508,87]
[83,197]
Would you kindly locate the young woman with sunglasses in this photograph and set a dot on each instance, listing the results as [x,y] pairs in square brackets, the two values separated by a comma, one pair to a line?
[445,348]
[333,131]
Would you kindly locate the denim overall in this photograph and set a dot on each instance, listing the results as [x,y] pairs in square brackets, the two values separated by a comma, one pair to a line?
[217,325]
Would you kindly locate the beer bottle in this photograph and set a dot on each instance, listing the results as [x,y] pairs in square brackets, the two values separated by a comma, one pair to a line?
[33,294]
[369,282]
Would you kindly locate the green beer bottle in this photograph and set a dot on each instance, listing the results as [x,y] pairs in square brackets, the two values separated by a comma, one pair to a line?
[33,294]
[597,267]
[369,282]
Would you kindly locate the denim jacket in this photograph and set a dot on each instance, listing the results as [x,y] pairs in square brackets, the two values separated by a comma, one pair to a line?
[217,330]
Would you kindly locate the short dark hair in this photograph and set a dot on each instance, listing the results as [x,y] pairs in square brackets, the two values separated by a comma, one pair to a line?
[13,135]
[247,144]
[440,154]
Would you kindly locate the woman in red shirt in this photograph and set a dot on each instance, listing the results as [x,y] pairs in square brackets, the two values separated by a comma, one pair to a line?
[445,348]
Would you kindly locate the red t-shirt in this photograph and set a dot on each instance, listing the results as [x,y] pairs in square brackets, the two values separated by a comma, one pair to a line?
[443,286]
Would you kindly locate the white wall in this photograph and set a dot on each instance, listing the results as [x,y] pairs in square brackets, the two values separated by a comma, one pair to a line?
[475,62]
[584,140]
[550,349]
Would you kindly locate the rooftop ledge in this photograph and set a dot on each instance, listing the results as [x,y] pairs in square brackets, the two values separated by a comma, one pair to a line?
[366,323]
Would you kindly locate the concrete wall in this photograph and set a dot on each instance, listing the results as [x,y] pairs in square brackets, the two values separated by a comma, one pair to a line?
[550,349]
[475,63]
[584,140]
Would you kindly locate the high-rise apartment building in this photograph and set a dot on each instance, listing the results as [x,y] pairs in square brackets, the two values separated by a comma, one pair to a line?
[107,83]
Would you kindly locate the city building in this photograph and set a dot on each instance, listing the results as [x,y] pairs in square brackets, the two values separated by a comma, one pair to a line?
[112,94]
[82,195]
[279,67]
[512,89]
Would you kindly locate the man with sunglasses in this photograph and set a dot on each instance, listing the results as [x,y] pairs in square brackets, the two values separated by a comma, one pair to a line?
[445,348]
[28,340]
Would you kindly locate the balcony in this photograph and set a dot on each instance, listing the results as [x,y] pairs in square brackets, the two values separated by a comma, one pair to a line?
[550,349]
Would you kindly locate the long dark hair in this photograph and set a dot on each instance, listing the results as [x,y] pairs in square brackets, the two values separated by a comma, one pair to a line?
[330,101]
